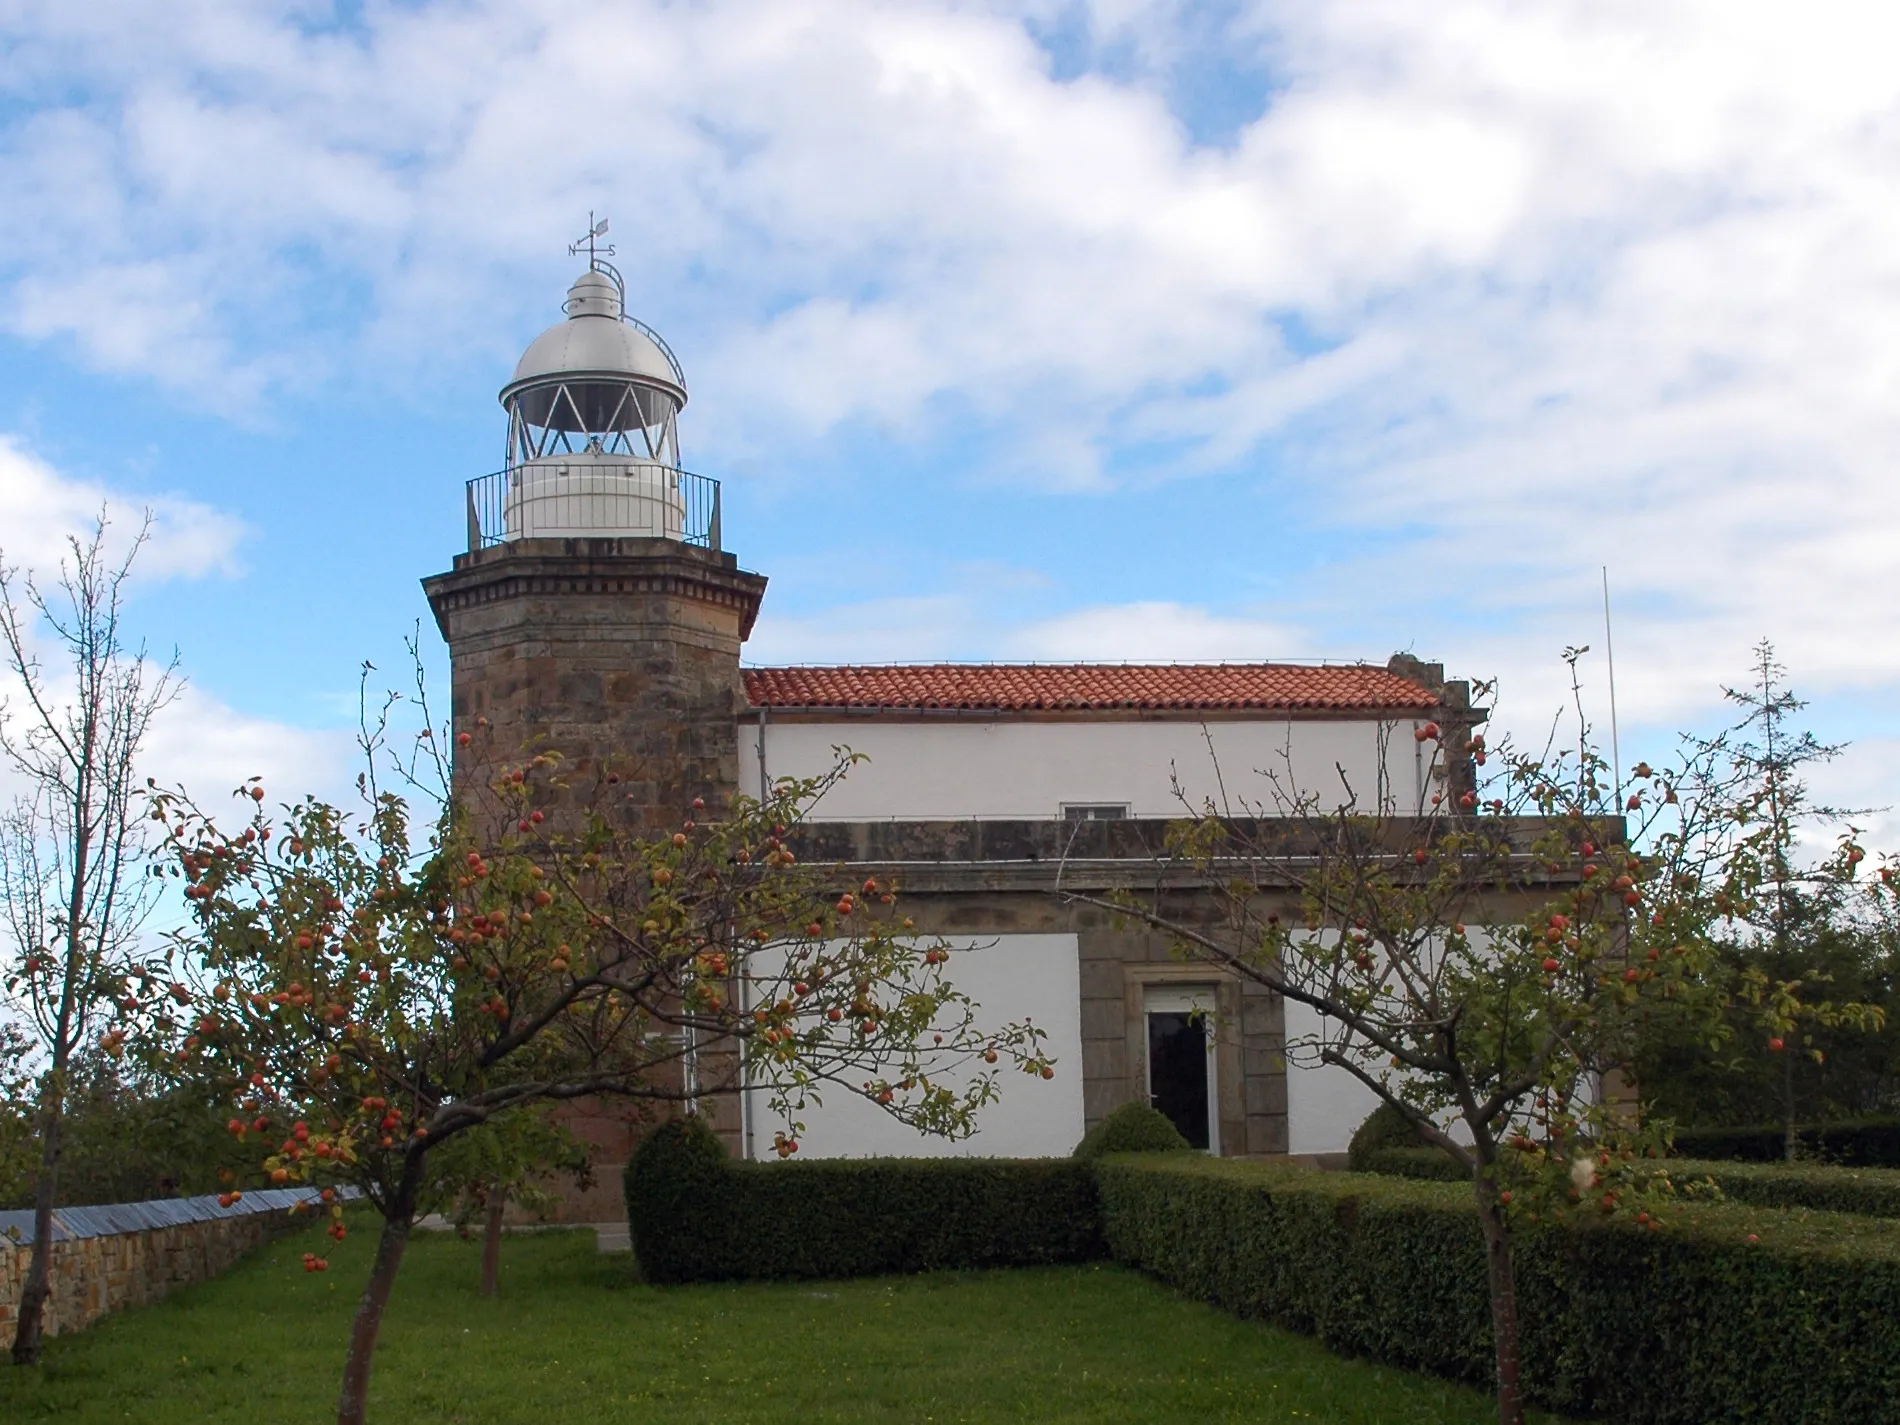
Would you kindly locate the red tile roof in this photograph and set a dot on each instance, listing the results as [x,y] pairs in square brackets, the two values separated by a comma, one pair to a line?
[1089,686]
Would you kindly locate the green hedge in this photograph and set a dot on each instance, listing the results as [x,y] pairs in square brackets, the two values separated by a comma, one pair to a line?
[696,1216]
[1133,1128]
[1384,1128]
[1869,1192]
[1689,1325]
[1430,1164]
[1862,1143]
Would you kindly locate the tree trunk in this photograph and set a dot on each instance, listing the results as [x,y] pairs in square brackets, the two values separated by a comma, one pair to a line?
[39,1272]
[353,1404]
[39,1285]
[1503,1282]
[1790,1137]
[491,1242]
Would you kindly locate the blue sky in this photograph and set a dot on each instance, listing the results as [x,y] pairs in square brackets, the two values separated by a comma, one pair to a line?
[1126,329]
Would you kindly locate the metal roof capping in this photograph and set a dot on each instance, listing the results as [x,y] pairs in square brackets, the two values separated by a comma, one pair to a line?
[1019,687]
[72,1223]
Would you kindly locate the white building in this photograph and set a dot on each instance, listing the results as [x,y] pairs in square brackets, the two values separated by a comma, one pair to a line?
[966,759]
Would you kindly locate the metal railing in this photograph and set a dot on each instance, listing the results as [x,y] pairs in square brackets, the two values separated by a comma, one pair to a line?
[637,499]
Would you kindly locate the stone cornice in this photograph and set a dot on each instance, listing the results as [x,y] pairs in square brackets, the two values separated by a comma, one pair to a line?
[595,567]
[1129,854]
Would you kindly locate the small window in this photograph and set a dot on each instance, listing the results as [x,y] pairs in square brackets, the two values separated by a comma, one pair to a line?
[1095,811]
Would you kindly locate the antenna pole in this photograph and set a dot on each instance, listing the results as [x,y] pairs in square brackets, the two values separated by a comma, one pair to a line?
[1609,649]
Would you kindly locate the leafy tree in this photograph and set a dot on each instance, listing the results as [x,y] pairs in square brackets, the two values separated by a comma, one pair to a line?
[1484,963]
[72,842]
[16,1117]
[367,1001]
[125,1137]
[1804,951]
[518,1160]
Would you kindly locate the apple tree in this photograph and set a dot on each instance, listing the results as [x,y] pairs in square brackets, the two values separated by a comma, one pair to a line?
[1483,962]
[367,997]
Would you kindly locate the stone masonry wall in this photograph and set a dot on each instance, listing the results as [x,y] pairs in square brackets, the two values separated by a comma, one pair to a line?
[620,654]
[95,1275]
[623,656]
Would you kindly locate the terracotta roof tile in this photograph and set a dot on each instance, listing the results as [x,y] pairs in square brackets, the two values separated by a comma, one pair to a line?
[1088,686]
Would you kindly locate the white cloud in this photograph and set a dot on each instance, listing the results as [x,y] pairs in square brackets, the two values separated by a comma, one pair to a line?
[200,744]
[874,631]
[979,623]
[208,748]
[1518,290]
[41,509]
[1161,632]
[198,741]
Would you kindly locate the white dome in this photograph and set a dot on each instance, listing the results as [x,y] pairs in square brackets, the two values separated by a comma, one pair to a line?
[595,342]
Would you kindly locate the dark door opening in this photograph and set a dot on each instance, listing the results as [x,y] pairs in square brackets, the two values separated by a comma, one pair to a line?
[1177,1071]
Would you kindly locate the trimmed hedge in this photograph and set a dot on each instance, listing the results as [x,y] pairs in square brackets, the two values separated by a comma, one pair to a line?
[1684,1326]
[1868,1192]
[679,1199]
[1861,1143]
[1430,1164]
[1133,1128]
[697,1216]
[1385,1127]
[1692,1324]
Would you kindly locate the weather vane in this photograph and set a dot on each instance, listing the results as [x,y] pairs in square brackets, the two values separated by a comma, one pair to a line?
[595,251]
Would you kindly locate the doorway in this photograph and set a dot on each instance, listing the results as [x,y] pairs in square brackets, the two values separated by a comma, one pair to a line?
[1181,1080]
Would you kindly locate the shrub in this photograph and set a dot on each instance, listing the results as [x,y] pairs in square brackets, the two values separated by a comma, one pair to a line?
[696,1216]
[1861,1143]
[126,1140]
[1868,1192]
[1385,1127]
[1682,1326]
[1133,1128]
[1431,1164]
[679,1199]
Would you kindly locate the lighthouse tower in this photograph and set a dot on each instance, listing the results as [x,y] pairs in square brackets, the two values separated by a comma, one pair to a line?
[594,611]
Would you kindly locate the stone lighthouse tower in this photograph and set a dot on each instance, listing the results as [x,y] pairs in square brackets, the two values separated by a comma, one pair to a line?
[594,612]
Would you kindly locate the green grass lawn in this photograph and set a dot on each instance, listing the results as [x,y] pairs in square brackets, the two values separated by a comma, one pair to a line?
[577,1338]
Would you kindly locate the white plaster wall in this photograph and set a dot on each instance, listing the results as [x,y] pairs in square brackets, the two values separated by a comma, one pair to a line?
[958,770]
[1324,1104]
[1011,977]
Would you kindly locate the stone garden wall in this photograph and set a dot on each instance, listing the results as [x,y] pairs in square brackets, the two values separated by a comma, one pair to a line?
[109,1258]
